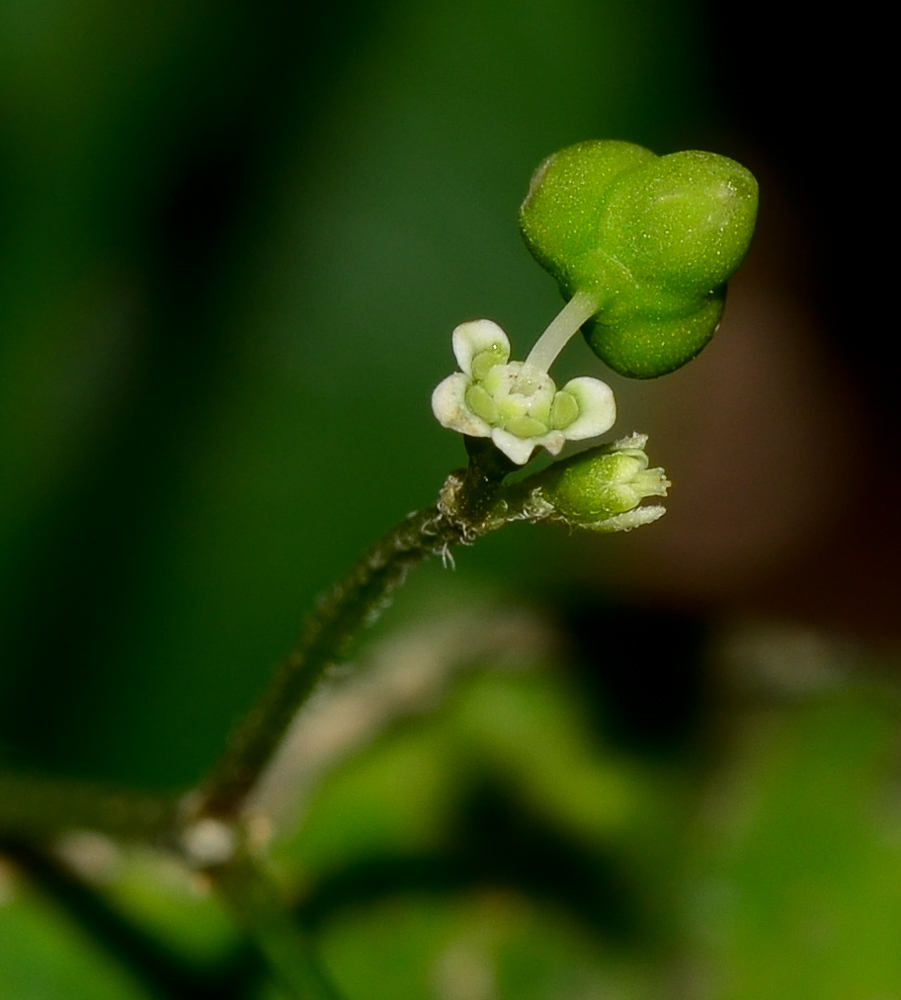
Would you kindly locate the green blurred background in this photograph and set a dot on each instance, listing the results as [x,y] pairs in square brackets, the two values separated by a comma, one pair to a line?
[234,239]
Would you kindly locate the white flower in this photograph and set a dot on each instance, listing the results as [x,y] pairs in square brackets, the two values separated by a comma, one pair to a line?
[516,403]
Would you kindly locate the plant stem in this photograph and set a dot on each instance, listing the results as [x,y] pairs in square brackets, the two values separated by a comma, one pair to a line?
[37,808]
[461,515]
[282,943]
[581,307]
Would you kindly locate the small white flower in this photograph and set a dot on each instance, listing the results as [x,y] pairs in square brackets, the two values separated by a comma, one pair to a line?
[516,403]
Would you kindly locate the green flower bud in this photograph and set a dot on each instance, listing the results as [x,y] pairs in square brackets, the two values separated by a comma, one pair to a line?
[651,241]
[599,489]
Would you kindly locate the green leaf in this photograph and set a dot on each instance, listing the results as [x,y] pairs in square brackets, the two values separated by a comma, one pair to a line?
[45,955]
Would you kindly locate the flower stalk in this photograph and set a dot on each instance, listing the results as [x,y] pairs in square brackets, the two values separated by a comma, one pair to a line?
[467,508]
[565,325]
[642,248]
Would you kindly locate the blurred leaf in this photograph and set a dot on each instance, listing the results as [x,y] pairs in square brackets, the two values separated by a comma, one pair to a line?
[796,876]
[173,905]
[491,946]
[45,955]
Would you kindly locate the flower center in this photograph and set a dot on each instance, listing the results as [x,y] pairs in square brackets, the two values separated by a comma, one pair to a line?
[520,396]
[520,399]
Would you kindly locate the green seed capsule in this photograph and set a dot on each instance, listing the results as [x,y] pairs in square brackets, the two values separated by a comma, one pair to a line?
[653,239]
[560,217]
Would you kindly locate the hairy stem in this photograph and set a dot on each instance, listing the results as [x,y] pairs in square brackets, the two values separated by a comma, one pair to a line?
[461,515]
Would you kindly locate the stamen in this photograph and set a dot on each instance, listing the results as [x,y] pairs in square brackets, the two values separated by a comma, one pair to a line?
[581,307]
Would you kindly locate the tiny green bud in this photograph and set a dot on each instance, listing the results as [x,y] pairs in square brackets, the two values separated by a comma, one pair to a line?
[649,241]
[600,489]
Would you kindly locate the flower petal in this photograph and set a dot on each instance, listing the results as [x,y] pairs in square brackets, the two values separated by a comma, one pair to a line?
[634,518]
[553,441]
[517,449]
[476,336]
[597,408]
[450,409]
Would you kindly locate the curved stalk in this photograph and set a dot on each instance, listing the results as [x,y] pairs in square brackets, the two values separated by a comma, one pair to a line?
[580,308]
[461,515]
[37,808]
